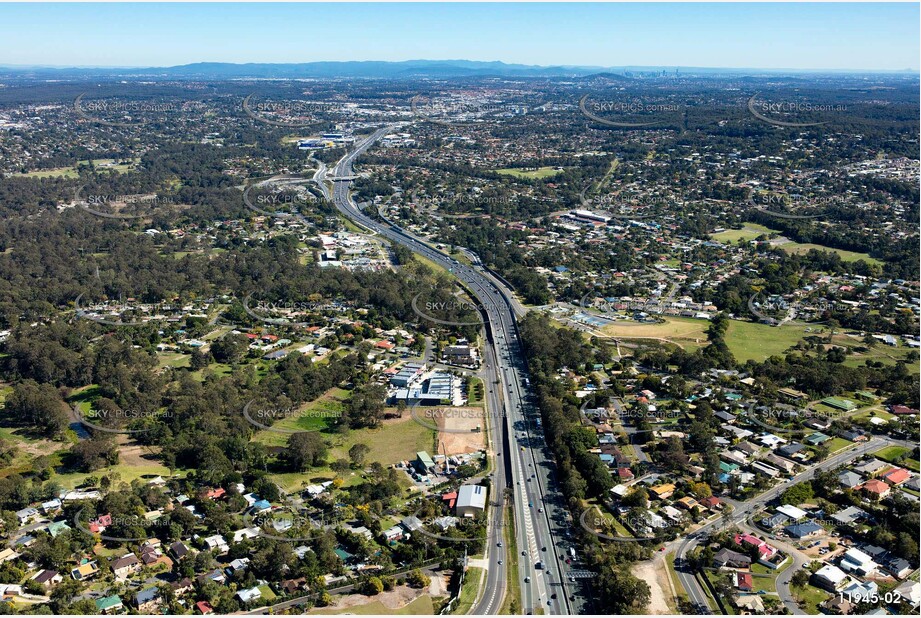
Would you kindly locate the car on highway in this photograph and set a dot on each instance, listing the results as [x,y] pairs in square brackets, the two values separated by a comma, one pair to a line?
[499,544]
[527,580]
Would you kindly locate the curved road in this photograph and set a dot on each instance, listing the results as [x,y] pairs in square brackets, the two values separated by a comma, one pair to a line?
[744,510]
[540,518]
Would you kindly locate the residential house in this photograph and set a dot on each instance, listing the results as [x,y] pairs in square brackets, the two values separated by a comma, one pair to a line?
[829,578]
[8,554]
[109,605]
[792,512]
[204,608]
[856,561]
[896,476]
[125,567]
[179,550]
[733,559]
[849,515]
[875,488]
[713,503]
[148,600]
[48,578]
[25,515]
[249,595]
[849,480]
[663,491]
[393,534]
[216,543]
[750,603]
[804,530]
[183,586]
[899,567]
[85,571]
[871,468]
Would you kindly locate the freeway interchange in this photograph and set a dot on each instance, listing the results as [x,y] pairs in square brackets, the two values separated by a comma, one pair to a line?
[522,462]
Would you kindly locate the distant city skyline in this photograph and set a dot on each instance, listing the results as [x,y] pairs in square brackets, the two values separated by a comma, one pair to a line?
[805,36]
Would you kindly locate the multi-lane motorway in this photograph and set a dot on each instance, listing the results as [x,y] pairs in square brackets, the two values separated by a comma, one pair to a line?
[539,518]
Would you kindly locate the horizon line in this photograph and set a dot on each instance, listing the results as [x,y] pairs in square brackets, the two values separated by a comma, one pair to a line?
[629,67]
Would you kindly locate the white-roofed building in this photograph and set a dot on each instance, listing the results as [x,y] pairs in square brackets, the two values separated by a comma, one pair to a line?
[471,500]
[792,512]
[856,561]
[829,577]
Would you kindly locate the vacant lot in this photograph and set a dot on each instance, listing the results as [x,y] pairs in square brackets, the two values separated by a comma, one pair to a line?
[399,601]
[679,330]
[655,573]
[541,172]
[458,429]
[316,415]
[746,340]
[55,172]
[395,441]
[751,341]
[847,256]
[749,231]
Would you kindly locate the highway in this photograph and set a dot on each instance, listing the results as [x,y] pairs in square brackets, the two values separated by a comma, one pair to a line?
[540,520]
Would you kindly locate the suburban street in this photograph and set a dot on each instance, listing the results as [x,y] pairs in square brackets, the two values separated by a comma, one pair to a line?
[743,510]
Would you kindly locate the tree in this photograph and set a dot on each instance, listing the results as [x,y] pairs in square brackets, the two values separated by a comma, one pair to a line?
[358,452]
[230,349]
[621,592]
[365,408]
[800,578]
[199,360]
[701,490]
[38,405]
[639,497]
[798,494]
[373,586]
[417,579]
[340,466]
[95,453]
[305,450]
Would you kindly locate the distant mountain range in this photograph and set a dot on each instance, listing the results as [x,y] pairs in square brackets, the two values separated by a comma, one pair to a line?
[434,69]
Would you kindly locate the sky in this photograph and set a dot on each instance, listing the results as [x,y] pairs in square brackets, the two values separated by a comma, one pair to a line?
[862,36]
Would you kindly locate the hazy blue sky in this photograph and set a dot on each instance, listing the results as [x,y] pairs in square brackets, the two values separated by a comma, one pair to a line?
[821,36]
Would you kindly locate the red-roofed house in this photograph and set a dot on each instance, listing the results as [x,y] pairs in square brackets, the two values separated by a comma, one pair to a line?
[99,524]
[384,345]
[902,410]
[450,498]
[897,476]
[204,608]
[214,494]
[765,550]
[712,503]
[876,488]
[744,582]
[625,474]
